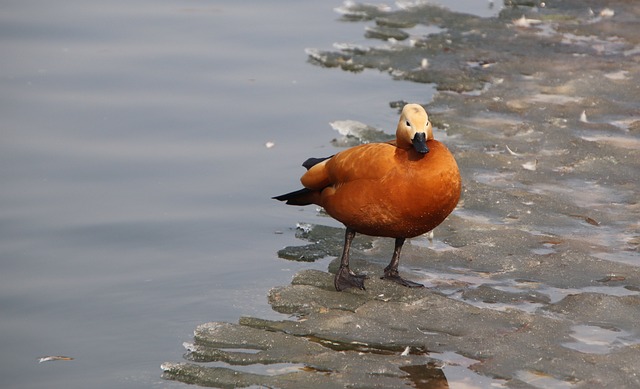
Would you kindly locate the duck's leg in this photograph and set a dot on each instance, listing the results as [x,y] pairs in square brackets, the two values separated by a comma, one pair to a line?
[391,271]
[345,278]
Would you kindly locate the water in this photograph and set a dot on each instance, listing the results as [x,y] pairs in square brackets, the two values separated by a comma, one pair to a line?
[135,198]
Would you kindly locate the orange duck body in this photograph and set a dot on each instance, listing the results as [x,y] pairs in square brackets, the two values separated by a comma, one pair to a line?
[382,190]
[400,189]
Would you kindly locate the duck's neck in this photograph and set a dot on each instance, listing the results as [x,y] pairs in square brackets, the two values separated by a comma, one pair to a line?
[401,140]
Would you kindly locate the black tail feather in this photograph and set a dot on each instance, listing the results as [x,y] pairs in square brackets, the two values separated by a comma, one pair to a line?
[302,196]
[294,197]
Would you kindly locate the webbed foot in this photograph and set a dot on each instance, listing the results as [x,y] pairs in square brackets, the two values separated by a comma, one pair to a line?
[392,275]
[346,279]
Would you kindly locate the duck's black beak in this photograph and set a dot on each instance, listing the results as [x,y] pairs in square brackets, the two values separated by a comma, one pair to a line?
[420,142]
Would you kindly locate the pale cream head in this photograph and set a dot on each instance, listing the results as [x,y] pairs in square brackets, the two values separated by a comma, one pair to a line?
[413,120]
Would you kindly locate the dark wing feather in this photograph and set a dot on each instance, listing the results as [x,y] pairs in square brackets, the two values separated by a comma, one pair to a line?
[311,162]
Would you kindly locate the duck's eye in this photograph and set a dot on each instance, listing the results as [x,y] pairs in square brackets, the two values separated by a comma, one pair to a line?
[407,123]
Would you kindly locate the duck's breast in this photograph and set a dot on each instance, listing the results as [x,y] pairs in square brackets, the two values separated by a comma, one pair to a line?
[395,193]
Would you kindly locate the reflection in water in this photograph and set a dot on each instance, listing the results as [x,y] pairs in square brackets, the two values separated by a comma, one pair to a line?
[595,339]
[457,369]
[543,381]
[427,376]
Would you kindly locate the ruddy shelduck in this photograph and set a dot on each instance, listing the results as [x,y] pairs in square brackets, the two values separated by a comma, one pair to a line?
[399,189]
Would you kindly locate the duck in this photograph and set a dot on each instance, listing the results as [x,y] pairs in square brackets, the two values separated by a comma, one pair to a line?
[398,189]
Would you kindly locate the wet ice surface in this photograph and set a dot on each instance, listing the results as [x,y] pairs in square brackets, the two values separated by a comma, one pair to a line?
[534,280]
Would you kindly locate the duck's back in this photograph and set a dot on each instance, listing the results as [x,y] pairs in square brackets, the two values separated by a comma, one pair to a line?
[382,190]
